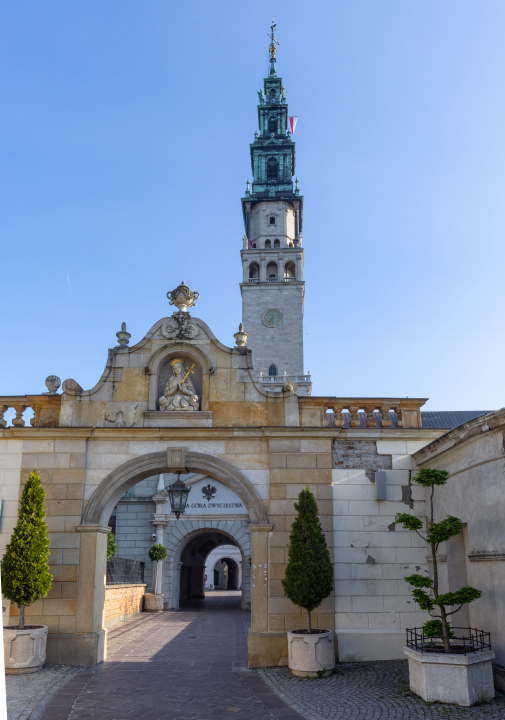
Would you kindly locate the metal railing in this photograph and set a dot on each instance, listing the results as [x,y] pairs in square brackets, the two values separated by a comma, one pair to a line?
[465,640]
[124,571]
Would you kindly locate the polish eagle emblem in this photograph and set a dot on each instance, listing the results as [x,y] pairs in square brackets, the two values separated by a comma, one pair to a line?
[209,491]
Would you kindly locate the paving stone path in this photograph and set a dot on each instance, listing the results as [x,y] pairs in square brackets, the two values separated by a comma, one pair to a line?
[27,695]
[369,691]
[182,665]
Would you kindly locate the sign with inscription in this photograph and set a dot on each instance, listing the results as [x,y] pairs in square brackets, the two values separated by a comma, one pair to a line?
[211,497]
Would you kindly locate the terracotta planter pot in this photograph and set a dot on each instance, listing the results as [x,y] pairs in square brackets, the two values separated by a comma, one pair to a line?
[310,654]
[153,602]
[24,650]
[451,678]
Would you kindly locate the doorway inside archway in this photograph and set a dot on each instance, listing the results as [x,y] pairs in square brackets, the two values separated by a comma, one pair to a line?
[210,563]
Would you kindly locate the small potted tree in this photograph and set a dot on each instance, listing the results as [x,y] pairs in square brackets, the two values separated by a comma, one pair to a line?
[308,581]
[153,602]
[26,579]
[442,666]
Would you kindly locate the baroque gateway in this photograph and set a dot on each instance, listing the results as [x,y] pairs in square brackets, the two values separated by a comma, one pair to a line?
[239,423]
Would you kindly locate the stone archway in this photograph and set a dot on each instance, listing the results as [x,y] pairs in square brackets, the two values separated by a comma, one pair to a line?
[107,494]
[90,632]
[237,531]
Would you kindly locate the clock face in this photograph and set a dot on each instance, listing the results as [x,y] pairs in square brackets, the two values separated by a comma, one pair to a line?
[272,318]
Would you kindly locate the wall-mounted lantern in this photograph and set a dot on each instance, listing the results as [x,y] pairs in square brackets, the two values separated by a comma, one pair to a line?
[178,496]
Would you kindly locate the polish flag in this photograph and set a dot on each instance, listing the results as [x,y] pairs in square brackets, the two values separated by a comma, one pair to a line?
[292,121]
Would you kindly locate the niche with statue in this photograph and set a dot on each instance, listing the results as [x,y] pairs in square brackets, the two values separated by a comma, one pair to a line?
[180,384]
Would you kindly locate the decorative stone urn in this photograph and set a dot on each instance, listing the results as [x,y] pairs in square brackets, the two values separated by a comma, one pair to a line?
[53,382]
[153,602]
[24,650]
[450,678]
[123,337]
[241,336]
[182,297]
[310,654]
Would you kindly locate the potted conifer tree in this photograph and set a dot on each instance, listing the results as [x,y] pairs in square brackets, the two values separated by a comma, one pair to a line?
[308,581]
[26,579]
[446,664]
[153,602]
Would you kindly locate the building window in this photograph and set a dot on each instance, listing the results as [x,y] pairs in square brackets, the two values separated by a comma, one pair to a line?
[272,95]
[272,125]
[254,271]
[272,169]
[253,245]
[271,220]
[268,244]
[290,271]
[272,370]
[272,272]
[277,243]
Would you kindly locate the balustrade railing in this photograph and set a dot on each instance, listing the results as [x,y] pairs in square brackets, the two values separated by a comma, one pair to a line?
[19,403]
[283,378]
[361,413]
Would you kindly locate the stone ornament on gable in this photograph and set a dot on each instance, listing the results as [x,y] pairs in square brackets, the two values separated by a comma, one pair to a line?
[179,392]
[182,297]
[181,328]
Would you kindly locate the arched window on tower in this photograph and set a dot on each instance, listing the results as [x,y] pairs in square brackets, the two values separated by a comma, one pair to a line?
[254,273]
[268,244]
[272,124]
[272,370]
[289,271]
[271,96]
[272,272]
[272,169]
[277,243]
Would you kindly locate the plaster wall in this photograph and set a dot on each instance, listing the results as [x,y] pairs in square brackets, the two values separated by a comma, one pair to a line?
[261,228]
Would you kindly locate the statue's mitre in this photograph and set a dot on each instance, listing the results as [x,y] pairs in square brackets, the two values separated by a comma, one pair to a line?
[176,360]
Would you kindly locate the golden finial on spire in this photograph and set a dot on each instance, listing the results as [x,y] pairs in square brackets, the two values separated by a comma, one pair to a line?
[273,40]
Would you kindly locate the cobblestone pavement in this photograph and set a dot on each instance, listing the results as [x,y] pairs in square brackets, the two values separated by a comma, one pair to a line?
[27,695]
[190,664]
[368,691]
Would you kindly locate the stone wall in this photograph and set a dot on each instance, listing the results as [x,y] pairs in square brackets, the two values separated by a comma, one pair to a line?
[122,602]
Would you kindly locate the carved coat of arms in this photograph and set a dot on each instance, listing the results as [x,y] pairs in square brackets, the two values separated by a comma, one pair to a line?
[209,491]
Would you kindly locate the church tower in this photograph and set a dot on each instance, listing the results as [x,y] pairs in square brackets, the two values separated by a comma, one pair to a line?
[272,287]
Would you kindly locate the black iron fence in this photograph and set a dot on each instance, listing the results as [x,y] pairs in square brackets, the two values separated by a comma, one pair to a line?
[466,639]
[122,571]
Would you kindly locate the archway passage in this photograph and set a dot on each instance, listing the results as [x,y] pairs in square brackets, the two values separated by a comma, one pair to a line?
[204,570]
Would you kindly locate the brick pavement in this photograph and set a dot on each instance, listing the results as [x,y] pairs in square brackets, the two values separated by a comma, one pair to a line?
[184,665]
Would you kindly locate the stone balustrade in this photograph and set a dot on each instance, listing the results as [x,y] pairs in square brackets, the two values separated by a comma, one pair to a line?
[361,412]
[46,409]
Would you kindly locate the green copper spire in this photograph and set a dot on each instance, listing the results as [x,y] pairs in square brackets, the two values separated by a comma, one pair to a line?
[273,49]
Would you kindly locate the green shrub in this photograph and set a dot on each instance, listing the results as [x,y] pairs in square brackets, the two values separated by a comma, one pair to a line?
[111,545]
[25,570]
[309,574]
[157,552]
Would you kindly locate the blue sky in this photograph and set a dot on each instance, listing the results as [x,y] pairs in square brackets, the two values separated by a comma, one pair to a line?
[124,146]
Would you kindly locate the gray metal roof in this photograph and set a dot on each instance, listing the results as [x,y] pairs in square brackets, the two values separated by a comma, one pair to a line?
[450,419]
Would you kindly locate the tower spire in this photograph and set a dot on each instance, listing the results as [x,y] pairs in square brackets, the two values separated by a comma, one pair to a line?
[273,49]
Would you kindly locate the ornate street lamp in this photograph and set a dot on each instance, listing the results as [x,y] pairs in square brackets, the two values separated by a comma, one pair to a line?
[178,496]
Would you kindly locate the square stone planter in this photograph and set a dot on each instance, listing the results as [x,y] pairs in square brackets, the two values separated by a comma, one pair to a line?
[24,650]
[451,678]
[153,602]
[309,654]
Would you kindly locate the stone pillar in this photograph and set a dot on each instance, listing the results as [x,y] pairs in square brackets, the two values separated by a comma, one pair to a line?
[263,269]
[262,645]
[88,646]
[160,525]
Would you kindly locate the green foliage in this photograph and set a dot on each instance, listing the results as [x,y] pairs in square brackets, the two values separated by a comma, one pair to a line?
[433,628]
[157,552]
[409,522]
[111,545]
[422,598]
[25,570]
[463,596]
[442,531]
[428,477]
[309,574]
[419,581]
